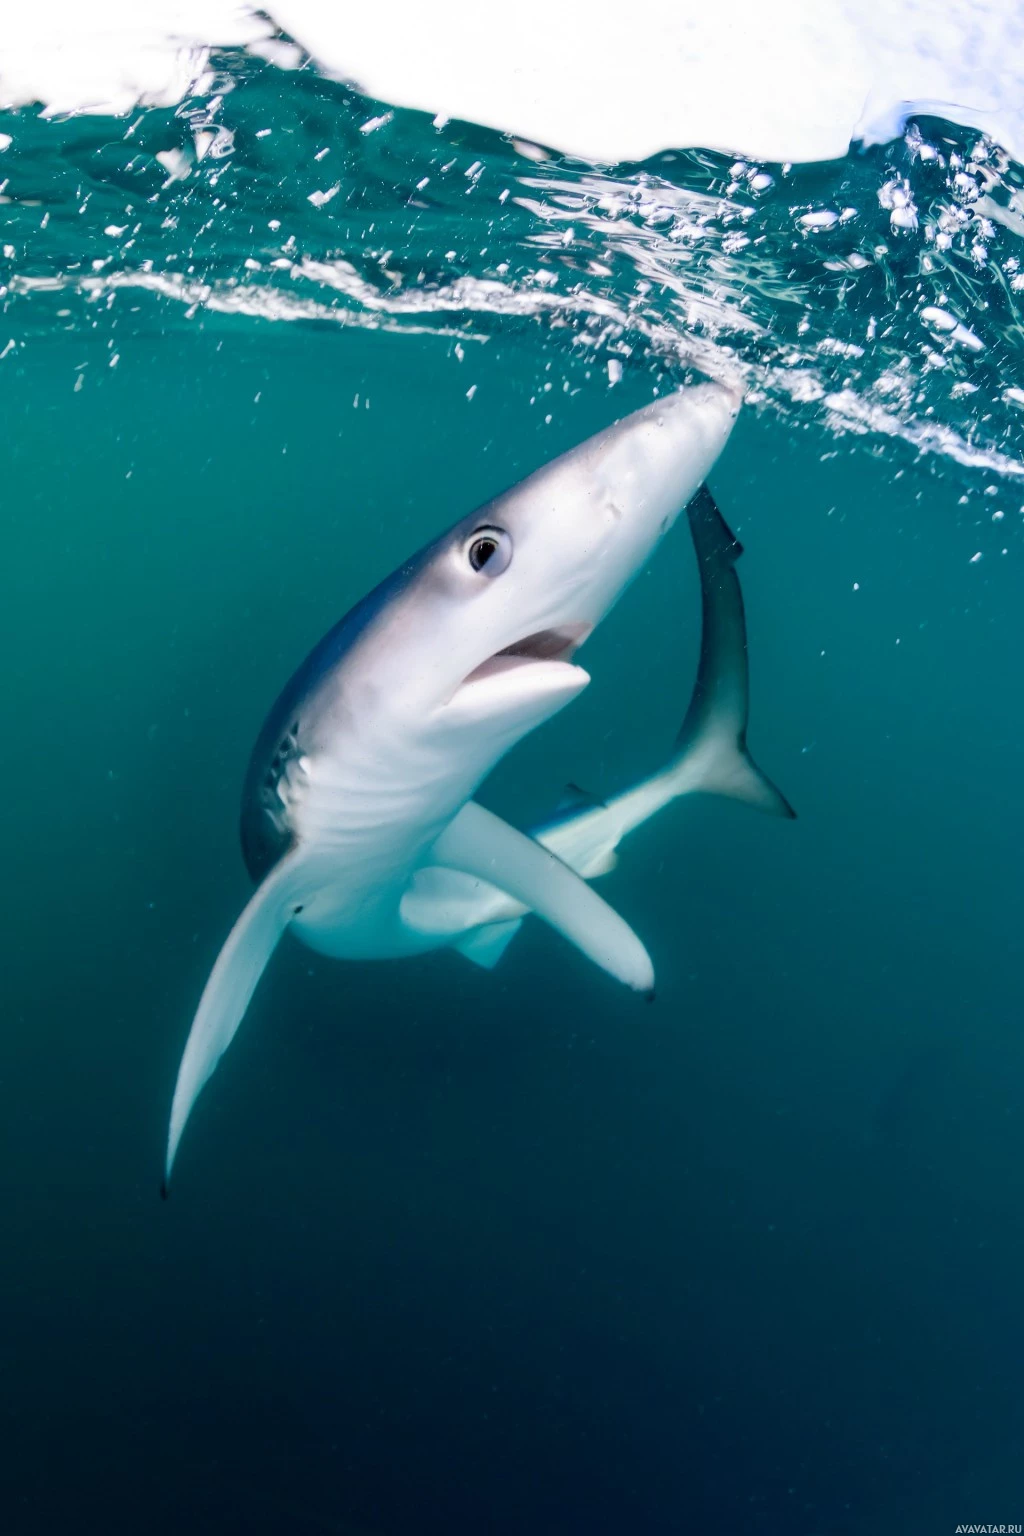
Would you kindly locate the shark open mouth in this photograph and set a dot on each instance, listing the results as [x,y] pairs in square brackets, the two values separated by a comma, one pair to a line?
[545,645]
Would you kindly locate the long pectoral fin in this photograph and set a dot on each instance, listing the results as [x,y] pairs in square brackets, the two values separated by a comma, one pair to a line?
[226,995]
[480,843]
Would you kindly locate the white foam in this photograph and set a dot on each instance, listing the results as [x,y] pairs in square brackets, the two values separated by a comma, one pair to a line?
[795,80]
[107,56]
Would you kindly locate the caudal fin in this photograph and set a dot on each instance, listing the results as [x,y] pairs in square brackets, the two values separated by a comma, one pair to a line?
[711,748]
[228,991]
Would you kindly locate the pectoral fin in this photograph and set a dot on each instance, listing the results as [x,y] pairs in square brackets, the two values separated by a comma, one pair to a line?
[480,843]
[229,989]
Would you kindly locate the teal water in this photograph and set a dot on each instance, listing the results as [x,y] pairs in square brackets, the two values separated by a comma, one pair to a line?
[456,1251]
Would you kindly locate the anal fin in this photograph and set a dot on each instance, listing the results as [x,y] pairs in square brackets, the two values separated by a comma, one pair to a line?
[485,946]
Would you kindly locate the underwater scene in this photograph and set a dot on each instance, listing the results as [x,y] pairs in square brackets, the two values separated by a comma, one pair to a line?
[464,1234]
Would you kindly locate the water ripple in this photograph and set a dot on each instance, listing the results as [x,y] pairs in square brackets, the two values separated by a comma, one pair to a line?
[879,294]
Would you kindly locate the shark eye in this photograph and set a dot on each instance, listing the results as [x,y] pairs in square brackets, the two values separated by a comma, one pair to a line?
[490,548]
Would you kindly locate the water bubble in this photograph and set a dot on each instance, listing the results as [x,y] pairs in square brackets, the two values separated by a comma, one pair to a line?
[819,218]
[373,123]
[965,187]
[318,199]
[175,162]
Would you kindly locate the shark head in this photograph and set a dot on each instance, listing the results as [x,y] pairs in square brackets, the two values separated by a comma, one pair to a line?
[470,644]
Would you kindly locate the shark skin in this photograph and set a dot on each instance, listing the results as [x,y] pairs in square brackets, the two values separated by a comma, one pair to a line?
[710,757]
[365,769]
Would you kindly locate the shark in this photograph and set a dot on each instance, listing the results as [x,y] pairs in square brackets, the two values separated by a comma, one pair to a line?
[364,775]
[709,756]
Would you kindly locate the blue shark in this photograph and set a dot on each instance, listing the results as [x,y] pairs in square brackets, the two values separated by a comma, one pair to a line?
[364,773]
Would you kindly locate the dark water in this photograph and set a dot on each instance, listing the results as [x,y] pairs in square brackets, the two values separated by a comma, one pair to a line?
[452,1251]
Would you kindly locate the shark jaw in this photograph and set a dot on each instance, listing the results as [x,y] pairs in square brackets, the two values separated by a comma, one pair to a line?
[546,645]
[514,690]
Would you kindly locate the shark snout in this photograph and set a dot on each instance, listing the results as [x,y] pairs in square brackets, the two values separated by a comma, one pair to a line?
[608,505]
[691,427]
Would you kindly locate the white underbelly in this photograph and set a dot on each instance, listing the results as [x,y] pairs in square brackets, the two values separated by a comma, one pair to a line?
[365,831]
[355,921]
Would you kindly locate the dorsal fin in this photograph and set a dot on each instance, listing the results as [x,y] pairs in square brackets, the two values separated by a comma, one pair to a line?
[576,799]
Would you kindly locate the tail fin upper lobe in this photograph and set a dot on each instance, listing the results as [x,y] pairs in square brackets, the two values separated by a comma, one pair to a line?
[711,748]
